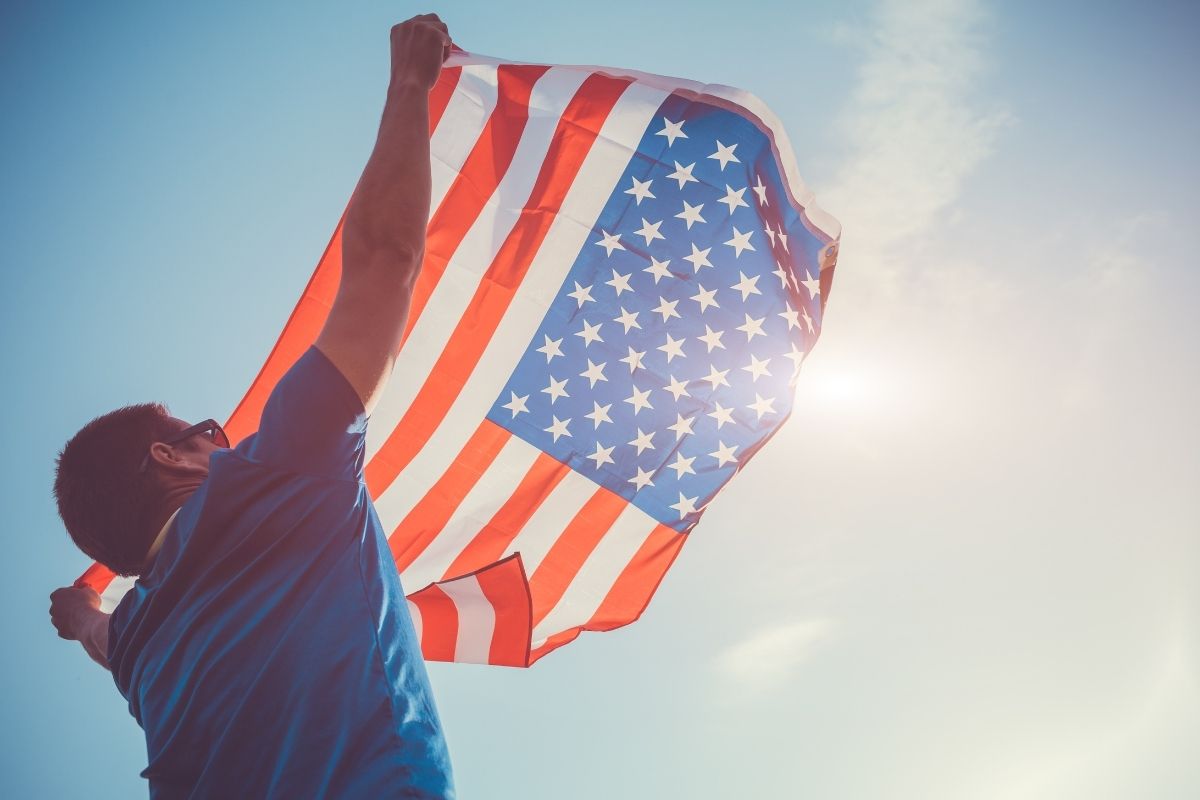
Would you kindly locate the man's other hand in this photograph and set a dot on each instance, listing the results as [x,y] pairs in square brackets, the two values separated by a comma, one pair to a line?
[419,46]
[75,613]
[71,608]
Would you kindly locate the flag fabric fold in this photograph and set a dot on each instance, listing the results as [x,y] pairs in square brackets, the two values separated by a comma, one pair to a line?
[623,274]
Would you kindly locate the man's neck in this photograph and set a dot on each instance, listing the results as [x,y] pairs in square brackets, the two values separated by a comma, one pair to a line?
[172,501]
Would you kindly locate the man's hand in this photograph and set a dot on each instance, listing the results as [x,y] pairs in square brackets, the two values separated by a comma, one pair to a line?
[75,613]
[419,46]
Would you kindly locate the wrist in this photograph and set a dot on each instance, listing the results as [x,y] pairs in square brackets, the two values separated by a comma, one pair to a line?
[405,90]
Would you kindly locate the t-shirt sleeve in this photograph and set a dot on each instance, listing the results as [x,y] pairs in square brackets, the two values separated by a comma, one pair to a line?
[313,423]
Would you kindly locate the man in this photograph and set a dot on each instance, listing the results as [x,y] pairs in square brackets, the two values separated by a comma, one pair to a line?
[266,647]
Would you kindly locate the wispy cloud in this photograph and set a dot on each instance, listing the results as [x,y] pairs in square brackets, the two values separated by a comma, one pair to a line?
[913,126]
[770,655]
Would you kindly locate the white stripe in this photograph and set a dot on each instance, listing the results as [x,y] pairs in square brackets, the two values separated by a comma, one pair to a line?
[486,497]
[113,593]
[600,571]
[474,254]
[468,111]
[415,613]
[476,620]
[601,169]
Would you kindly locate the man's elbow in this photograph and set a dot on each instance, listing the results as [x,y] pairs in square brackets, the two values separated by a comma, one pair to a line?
[394,263]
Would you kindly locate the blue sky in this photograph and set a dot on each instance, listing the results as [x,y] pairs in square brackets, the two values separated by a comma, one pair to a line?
[965,568]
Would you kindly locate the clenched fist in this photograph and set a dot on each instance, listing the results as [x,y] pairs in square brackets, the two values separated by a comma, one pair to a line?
[72,608]
[419,46]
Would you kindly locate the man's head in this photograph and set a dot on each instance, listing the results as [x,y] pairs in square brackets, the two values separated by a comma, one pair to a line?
[115,475]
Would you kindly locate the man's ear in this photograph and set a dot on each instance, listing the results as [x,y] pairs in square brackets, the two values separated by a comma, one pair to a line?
[172,460]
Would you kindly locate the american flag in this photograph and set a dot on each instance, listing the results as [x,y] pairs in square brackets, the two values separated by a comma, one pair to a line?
[623,274]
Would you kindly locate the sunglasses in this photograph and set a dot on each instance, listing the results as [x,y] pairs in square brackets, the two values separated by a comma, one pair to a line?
[208,428]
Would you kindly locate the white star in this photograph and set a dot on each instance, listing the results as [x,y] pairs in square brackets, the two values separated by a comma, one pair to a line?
[770,234]
[781,272]
[747,286]
[796,355]
[752,328]
[712,338]
[721,414]
[690,214]
[699,258]
[644,441]
[634,359]
[677,388]
[590,333]
[628,319]
[782,234]
[639,400]
[582,293]
[705,298]
[762,405]
[672,130]
[667,308]
[602,456]
[682,466]
[757,368]
[640,190]
[716,377]
[556,389]
[610,242]
[685,506]
[673,347]
[658,269]
[683,174]
[599,413]
[725,154]
[761,190]
[740,242]
[813,285]
[558,428]
[682,426]
[807,319]
[649,231]
[594,372]
[734,199]
[619,282]
[641,479]
[551,347]
[724,454]
[791,315]
[517,404]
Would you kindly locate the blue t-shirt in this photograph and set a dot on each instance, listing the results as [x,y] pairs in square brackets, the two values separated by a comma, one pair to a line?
[268,651]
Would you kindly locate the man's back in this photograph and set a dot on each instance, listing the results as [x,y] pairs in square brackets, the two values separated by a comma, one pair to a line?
[269,651]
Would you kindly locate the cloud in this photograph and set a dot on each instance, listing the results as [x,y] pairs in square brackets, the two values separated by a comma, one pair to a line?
[770,655]
[913,126]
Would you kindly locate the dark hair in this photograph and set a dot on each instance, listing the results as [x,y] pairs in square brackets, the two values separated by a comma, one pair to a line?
[105,501]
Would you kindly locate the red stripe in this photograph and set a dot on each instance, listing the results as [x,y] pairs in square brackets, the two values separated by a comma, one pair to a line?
[630,593]
[572,547]
[439,623]
[96,576]
[429,516]
[506,588]
[573,138]
[495,537]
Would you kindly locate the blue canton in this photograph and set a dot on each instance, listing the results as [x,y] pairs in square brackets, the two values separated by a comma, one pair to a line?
[668,356]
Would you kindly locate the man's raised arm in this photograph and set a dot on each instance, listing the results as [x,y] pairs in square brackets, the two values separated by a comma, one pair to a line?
[383,239]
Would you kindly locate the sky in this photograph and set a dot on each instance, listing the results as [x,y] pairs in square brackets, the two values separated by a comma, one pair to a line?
[966,566]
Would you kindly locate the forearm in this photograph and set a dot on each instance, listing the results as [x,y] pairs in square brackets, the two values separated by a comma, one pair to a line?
[93,635]
[385,224]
